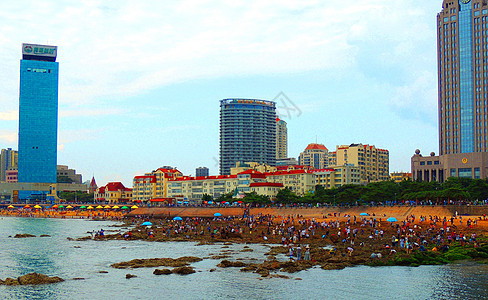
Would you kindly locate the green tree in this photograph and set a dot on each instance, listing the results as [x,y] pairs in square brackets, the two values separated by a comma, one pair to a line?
[207,197]
[225,197]
[286,196]
[77,196]
[253,197]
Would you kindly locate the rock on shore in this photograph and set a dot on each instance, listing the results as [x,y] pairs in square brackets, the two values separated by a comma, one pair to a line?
[31,278]
[183,270]
[24,235]
[156,262]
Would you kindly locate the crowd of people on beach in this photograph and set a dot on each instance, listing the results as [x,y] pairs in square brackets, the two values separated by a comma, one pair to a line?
[343,235]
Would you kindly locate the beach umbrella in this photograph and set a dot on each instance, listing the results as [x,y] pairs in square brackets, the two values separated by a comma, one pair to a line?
[217,215]
[146,224]
[69,207]
[89,207]
[27,206]
[55,206]
[10,206]
[210,202]
[364,214]
[391,219]
[107,206]
[37,207]
[124,207]
[115,207]
[60,206]
[240,202]
[223,202]
[99,207]
[185,202]
[177,219]
[226,203]
[134,207]
[205,202]
[83,207]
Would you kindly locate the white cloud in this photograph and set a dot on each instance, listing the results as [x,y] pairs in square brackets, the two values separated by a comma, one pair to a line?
[9,136]
[418,99]
[125,47]
[12,115]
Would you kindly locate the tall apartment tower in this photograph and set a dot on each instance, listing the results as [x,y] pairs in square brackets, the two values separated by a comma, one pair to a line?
[463,76]
[281,139]
[38,114]
[8,161]
[247,132]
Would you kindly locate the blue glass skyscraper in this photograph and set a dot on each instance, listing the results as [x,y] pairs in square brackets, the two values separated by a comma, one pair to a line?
[38,114]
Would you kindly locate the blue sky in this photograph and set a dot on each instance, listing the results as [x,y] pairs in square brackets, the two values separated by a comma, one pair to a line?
[140,81]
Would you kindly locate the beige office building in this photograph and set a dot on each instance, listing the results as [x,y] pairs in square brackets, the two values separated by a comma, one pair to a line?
[337,176]
[281,139]
[373,163]
[153,185]
[8,161]
[315,155]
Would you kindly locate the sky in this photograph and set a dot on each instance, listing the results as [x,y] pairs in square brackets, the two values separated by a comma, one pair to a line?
[140,81]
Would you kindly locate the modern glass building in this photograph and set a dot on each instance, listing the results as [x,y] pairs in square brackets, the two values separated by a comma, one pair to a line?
[38,114]
[247,132]
[463,76]
[462,51]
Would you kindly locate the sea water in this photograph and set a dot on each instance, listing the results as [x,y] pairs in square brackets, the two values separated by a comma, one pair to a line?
[83,265]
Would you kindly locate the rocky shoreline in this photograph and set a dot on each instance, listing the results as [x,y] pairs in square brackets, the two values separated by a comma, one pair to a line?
[332,246]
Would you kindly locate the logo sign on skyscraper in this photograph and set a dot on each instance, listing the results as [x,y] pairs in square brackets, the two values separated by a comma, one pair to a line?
[39,50]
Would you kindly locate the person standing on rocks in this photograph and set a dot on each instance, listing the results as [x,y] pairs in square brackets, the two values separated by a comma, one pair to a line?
[307,253]
[290,251]
[299,252]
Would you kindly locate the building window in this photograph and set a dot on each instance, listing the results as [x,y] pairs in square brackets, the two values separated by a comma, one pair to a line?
[453,172]
[422,163]
[465,173]
[477,173]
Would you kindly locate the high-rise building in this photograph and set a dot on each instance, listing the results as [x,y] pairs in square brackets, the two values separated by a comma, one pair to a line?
[463,79]
[201,172]
[315,155]
[281,139]
[374,163]
[462,51]
[8,161]
[247,132]
[38,114]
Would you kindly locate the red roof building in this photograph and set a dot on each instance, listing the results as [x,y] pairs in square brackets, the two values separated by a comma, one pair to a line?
[113,192]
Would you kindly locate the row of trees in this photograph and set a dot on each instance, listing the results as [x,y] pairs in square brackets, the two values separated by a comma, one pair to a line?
[454,189]
[77,197]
